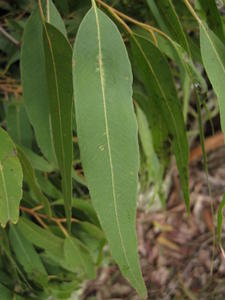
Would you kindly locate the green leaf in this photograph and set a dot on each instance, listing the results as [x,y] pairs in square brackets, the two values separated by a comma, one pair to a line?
[26,254]
[11,178]
[147,144]
[77,258]
[156,13]
[30,178]
[81,205]
[58,57]
[212,17]
[6,294]
[213,56]
[33,75]
[173,24]
[157,77]
[107,134]
[220,218]
[38,162]
[40,237]
[18,125]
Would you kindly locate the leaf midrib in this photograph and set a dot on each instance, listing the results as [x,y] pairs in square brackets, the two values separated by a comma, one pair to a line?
[102,79]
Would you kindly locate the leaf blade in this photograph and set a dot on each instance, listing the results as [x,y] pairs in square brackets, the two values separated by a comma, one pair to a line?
[159,84]
[212,51]
[60,94]
[11,177]
[108,147]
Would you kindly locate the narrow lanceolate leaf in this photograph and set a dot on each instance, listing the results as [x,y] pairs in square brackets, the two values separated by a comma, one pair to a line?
[58,57]
[11,178]
[77,258]
[213,56]
[159,84]
[147,145]
[40,237]
[34,78]
[107,133]
[25,253]
[30,178]
[212,17]
[18,125]
[174,26]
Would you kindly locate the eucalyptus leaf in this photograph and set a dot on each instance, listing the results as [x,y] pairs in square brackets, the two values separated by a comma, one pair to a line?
[11,178]
[77,258]
[159,84]
[213,18]
[58,57]
[213,56]
[18,125]
[34,75]
[107,134]
[40,237]
[26,254]
[31,179]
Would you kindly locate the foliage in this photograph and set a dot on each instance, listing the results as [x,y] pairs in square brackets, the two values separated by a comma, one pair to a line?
[71,154]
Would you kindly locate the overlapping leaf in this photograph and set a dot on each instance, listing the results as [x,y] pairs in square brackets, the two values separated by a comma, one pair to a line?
[58,57]
[26,254]
[159,84]
[30,178]
[107,134]
[11,177]
[213,56]
[213,18]
[33,75]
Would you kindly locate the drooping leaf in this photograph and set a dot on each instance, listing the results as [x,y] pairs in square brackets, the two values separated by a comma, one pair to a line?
[30,178]
[48,187]
[157,77]
[213,18]
[26,254]
[40,237]
[156,123]
[107,134]
[58,57]
[18,125]
[177,53]
[33,75]
[156,13]
[213,55]
[11,178]
[147,144]
[38,162]
[173,24]
[77,257]
[81,205]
